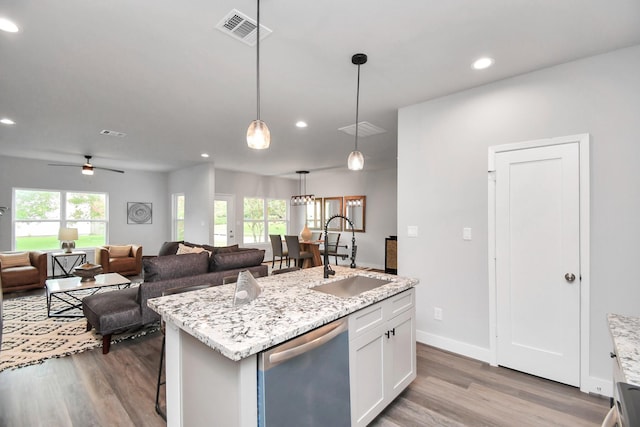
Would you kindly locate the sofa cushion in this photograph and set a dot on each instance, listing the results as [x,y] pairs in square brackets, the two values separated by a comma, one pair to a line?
[224,249]
[175,266]
[21,275]
[18,259]
[119,251]
[238,259]
[122,264]
[169,248]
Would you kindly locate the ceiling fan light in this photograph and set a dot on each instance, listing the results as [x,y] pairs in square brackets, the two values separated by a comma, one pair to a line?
[87,169]
[355,162]
[258,135]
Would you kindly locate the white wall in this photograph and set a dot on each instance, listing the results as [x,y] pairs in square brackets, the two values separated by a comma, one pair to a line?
[198,186]
[131,186]
[442,148]
[380,187]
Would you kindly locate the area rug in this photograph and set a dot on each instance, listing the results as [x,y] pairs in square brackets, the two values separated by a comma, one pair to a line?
[30,337]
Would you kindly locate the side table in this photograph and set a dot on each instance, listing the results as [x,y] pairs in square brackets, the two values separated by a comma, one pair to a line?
[61,260]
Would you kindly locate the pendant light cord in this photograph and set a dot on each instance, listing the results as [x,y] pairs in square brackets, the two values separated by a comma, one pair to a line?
[357,105]
[258,65]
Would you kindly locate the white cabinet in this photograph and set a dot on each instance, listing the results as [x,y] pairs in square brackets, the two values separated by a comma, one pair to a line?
[382,355]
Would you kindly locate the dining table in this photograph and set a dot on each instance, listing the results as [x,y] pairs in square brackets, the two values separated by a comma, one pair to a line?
[312,246]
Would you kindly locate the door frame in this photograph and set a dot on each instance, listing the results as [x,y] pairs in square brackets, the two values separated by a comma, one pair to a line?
[585,274]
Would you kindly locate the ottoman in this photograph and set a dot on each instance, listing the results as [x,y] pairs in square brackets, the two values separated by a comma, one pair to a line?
[112,312]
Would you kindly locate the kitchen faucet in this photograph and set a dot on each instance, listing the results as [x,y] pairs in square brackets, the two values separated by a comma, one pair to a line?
[328,271]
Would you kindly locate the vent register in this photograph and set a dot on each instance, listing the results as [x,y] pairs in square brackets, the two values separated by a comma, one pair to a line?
[241,27]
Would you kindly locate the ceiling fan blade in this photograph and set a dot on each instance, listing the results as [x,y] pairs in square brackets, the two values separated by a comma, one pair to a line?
[64,164]
[108,169]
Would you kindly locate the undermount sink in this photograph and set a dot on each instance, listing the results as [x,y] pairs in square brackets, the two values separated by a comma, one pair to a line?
[351,286]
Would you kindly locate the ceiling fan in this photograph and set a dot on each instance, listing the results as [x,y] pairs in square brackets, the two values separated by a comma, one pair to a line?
[87,168]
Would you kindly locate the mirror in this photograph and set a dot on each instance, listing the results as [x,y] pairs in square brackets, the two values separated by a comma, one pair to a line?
[354,209]
[313,215]
[332,206]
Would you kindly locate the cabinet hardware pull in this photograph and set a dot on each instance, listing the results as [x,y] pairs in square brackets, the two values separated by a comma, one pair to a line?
[393,331]
[612,355]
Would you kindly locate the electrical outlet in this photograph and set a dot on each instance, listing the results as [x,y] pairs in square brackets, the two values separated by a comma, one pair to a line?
[437,313]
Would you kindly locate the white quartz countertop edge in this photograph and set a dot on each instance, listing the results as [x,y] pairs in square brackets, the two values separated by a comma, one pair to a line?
[625,331]
[285,309]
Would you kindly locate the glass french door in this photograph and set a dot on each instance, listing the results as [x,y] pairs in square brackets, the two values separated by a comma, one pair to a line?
[224,220]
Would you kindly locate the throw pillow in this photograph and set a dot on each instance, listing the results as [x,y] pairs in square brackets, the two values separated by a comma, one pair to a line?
[119,251]
[174,266]
[239,259]
[169,248]
[182,249]
[20,259]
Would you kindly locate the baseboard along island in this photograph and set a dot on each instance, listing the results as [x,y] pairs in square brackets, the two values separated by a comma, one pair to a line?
[294,353]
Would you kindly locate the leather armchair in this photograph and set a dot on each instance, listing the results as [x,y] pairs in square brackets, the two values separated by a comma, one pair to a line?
[20,278]
[109,257]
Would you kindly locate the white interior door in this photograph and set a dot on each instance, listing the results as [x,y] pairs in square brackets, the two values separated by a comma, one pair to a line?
[224,220]
[537,239]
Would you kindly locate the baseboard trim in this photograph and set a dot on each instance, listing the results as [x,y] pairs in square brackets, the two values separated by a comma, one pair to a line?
[454,346]
[598,386]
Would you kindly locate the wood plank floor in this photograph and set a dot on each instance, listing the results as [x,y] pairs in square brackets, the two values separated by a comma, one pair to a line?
[118,389]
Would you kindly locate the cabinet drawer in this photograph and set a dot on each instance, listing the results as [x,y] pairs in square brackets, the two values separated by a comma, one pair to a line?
[365,320]
[401,302]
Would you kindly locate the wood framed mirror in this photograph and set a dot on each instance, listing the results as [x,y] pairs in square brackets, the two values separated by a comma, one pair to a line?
[354,209]
[332,206]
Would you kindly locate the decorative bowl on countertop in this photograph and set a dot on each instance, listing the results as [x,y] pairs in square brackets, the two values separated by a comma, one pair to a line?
[87,271]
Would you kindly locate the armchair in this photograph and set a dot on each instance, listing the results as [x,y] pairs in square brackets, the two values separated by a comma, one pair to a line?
[20,271]
[126,260]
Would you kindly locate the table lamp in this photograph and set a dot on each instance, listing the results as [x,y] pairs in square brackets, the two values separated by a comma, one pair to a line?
[68,236]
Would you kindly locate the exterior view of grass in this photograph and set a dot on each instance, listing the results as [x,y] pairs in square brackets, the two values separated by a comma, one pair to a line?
[34,243]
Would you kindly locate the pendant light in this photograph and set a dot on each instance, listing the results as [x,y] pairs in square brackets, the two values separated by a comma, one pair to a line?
[355,162]
[258,135]
[302,198]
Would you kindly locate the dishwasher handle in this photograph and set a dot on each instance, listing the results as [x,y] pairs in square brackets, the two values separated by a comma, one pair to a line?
[282,356]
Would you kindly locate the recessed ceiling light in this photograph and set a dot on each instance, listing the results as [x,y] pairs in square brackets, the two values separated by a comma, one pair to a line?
[482,63]
[6,121]
[301,124]
[205,155]
[8,26]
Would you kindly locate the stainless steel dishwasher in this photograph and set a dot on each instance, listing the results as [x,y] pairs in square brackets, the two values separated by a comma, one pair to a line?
[305,381]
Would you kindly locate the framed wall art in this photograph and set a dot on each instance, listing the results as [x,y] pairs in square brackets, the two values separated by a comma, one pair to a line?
[139,213]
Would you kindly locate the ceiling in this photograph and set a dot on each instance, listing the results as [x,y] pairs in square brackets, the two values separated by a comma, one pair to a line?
[160,72]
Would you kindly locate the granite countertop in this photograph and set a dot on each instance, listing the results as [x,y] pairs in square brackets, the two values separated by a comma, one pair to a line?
[285,309]
[625,331]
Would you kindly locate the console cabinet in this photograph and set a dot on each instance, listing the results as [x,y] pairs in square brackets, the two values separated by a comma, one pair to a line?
[382,355]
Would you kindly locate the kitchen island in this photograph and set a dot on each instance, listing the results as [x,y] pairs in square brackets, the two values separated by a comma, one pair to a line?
[212,346]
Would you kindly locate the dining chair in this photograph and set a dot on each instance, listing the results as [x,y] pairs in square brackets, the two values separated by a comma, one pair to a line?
[293,246]
[316,235]
[172,291]
[333,243]
[277,250]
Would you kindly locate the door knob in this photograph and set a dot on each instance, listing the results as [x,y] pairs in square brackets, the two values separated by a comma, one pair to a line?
[569,277]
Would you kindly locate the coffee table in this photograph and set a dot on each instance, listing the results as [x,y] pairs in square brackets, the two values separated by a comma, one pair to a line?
[63,289]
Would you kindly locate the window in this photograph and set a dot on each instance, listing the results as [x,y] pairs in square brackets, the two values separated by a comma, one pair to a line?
[263,217]
[39,214]
[178,216]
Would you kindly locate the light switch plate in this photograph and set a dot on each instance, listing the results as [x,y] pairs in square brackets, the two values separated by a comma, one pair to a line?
[466,233]
[412,231]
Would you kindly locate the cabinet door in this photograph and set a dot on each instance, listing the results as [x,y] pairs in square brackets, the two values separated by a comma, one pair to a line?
[401,348]
[366,374]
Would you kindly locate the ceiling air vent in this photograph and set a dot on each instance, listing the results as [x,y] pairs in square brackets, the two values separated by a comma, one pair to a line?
[241,27]
[364,129]
[112,133]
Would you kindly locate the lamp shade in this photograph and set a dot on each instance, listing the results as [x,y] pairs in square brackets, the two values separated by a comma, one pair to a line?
[67,234]
[258,135]
[355,162]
